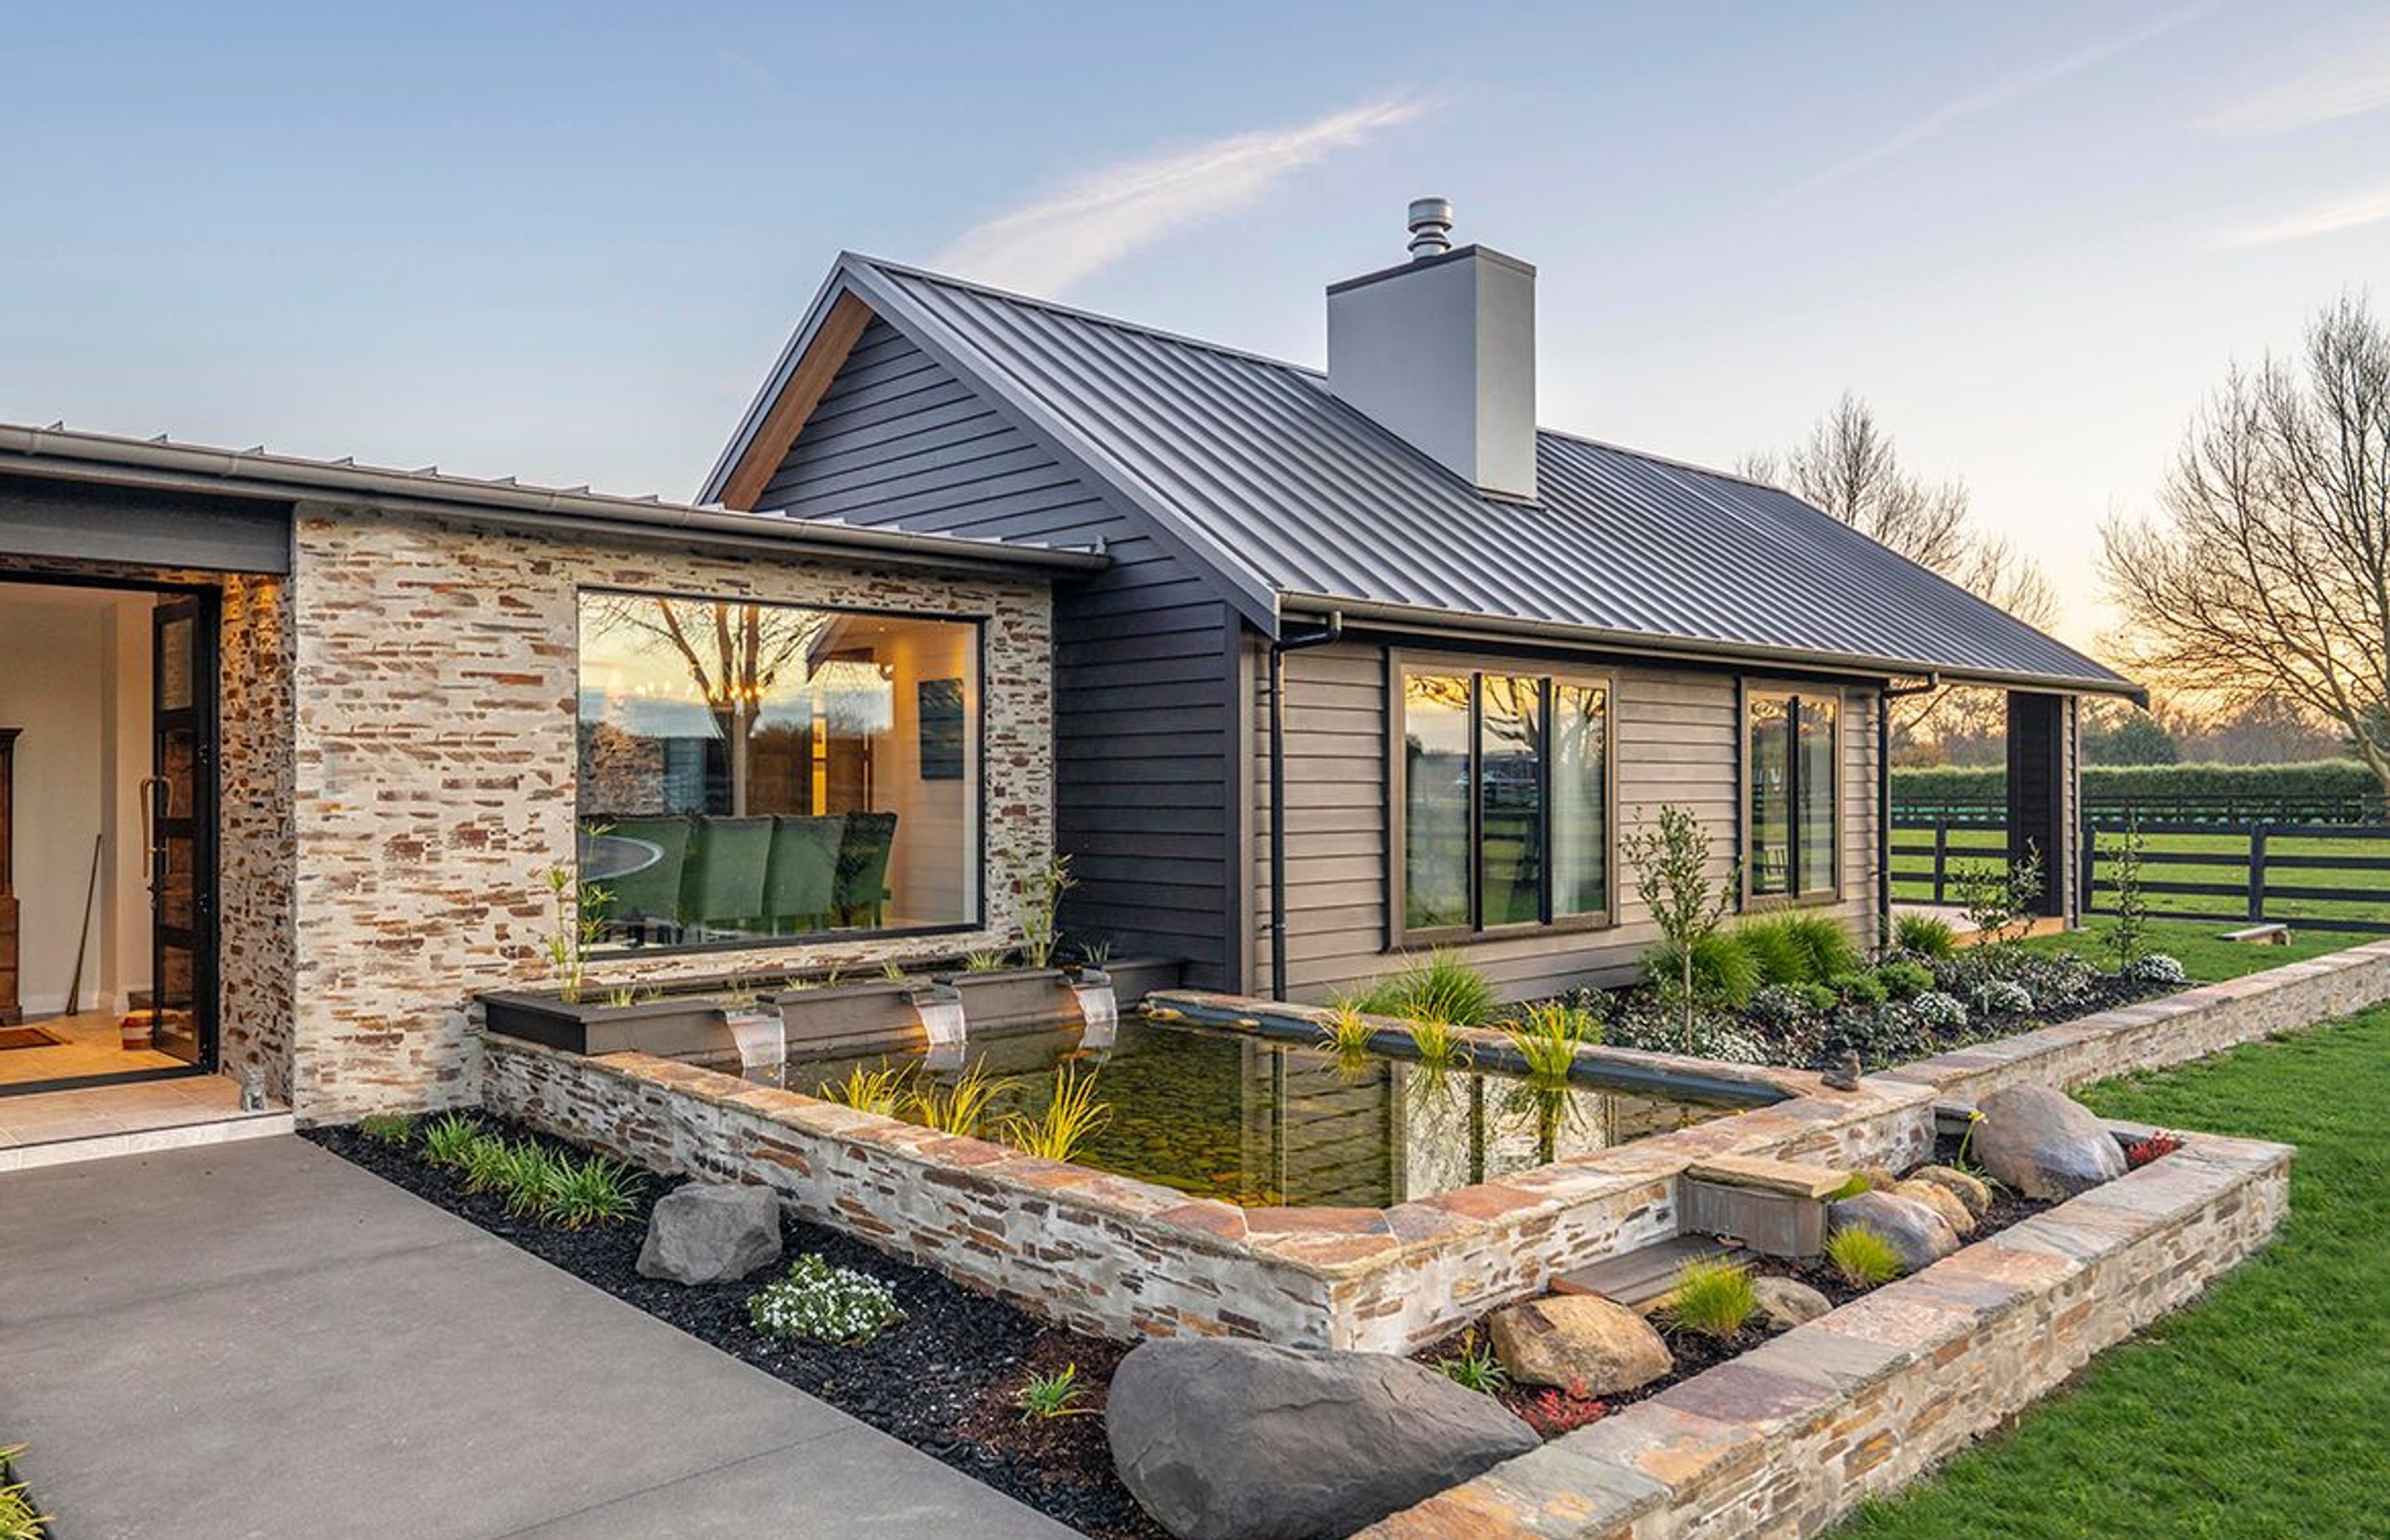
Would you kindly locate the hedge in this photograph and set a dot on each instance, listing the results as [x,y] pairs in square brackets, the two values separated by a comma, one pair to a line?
[2325,785]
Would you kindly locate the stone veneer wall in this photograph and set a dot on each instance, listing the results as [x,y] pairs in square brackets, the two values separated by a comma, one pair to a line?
[2174,1029]
[1787,1437]
[435,756]
[1109,1254]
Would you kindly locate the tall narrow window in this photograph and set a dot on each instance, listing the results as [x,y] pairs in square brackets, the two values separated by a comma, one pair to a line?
[1505,802]
[1789,766]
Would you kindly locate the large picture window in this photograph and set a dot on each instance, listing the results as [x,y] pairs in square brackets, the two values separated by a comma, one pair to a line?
[755,771]
[1789,766]
[1504,800]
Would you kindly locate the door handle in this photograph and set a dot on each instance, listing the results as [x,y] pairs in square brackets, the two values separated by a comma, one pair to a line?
[152,847]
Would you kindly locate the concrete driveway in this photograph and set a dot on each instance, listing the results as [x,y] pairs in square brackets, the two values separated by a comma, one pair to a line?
[258,1340]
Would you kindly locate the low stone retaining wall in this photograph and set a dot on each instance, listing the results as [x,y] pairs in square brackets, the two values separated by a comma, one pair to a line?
[2156,1033]
[1786,1437]
[1112,1255]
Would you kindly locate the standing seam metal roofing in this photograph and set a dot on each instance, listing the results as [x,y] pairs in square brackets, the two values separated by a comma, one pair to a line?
[1289,491]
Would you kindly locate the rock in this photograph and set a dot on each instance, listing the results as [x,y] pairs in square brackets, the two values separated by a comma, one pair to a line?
[2044,1145]
[711,1232]
[1222,1440]
[1918,1233]
[1878,1178]
[1966,1188]
[1787,1303]
[1578,1341]
[1942,1200]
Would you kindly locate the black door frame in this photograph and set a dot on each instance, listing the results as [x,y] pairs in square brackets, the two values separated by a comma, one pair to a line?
[206,874]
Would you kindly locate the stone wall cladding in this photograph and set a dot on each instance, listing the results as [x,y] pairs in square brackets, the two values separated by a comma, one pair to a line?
[1111,1254]
[1787,1437]
[2155,1034]
[435,756]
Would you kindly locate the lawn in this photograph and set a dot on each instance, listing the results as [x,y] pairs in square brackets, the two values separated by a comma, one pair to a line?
[2197,945]
[2261,1413]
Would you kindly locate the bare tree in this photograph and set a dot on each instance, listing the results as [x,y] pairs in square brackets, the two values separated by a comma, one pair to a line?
[734,654]
[2268,569]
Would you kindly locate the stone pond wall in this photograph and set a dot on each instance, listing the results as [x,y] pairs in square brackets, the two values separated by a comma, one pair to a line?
[1109,1254]
[436,754]
[1791,1435]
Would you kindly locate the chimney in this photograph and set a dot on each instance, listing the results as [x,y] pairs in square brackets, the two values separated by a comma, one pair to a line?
[1440,352]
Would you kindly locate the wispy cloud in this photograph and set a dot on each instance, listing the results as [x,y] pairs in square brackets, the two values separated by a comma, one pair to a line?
[2323,219]
[2354,80]
[1999,94]
[1094,220]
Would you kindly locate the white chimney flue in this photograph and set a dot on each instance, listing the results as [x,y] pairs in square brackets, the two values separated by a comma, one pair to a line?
[1440,352]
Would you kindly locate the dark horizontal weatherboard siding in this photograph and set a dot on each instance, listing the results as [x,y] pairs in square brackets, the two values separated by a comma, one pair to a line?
[1677,740]
[1144,677]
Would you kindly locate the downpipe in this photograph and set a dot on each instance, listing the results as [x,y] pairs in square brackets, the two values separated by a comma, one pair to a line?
[1331,630]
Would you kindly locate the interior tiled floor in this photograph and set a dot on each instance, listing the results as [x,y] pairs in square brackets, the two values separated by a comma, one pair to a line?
[93,1047]
[42,1116]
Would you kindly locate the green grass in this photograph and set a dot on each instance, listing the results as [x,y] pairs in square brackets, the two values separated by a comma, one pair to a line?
[2197,945]
[2260,1411]
[2368,890]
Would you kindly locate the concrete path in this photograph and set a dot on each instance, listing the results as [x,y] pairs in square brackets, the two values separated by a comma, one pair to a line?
[258,1340]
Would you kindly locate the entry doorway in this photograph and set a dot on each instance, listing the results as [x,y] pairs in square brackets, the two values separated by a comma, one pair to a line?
[108,831]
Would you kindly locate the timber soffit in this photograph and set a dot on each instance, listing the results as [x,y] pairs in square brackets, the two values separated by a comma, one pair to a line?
[1292,500]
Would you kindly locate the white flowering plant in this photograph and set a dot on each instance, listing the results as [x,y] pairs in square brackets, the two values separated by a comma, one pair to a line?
[2155,967]
[2000,998]
[821,1303]
[1939,1012]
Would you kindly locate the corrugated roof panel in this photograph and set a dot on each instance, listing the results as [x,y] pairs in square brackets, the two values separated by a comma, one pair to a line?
[1281,481]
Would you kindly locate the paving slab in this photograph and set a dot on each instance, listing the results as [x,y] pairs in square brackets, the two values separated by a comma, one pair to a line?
[262,1339]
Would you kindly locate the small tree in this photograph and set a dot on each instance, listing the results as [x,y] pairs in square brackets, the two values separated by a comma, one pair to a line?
[1671,858]
[1998,900]
[2126,937]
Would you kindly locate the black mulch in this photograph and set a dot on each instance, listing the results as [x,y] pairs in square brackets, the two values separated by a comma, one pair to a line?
[942,1380]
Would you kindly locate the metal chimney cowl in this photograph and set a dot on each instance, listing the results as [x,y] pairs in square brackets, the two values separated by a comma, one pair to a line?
[1440,352]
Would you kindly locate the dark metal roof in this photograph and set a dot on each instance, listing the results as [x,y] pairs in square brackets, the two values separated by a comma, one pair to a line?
[1296,501]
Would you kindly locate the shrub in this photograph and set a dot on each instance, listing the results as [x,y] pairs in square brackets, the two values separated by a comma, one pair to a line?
[2155,967]
[2058,982]
[486,1163]
[1859,989]
[819,1302]
[1438,987]
[1778,955]
[1863,1258]
[2159,1145]
[387,1128]
[594,1190]
[1924,936]
[1890,1033]
[1724,971]
[1939,1012]
[18,1519]
[1904,980]
[1547,1035]
[1800,948]
[528,1174]
[1712,1298]
[1782,1008]
[1552,1413]
[447,1137]
[1045,1397]
[1722,1038]
[2319,789]
[1072,1116]
[1474,1366]
[961,1106]
[2000,998]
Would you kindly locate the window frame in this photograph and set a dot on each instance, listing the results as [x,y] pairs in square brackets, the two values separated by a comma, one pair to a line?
[1400,934]
[980,623]
[1793,694]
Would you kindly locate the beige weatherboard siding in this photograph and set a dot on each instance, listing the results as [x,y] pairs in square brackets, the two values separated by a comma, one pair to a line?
[1676,737]
[436,750]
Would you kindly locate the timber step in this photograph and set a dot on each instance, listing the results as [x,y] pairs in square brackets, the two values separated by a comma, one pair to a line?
[2272,934]
[1640,1279]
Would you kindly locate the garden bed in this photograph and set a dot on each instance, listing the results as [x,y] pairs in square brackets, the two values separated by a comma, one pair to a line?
[942,1380]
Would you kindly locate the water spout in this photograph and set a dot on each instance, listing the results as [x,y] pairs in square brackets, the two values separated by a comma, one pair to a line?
[762,1040]
[940,1006]
[1098,1007]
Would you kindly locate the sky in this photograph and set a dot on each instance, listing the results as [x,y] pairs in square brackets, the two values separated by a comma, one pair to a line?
[566,242]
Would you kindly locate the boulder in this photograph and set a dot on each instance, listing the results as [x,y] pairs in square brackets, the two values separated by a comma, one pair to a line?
[1787,1303]
[711,1232]
[1581,1342]
[1918,1233]
[1222,1440]
[1966,1188]
[2044,1145]
[1942,1200]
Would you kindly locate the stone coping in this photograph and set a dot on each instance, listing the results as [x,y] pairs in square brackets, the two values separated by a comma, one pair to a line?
[1785,1438]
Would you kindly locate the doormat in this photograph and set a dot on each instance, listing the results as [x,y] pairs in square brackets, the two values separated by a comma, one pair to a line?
[28,1037]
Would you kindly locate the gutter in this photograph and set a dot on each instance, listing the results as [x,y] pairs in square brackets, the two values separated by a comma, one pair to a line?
[1429,620]
[1331,630]
[110,460]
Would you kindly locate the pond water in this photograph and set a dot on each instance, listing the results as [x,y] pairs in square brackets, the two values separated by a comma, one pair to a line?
[1254,1119]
